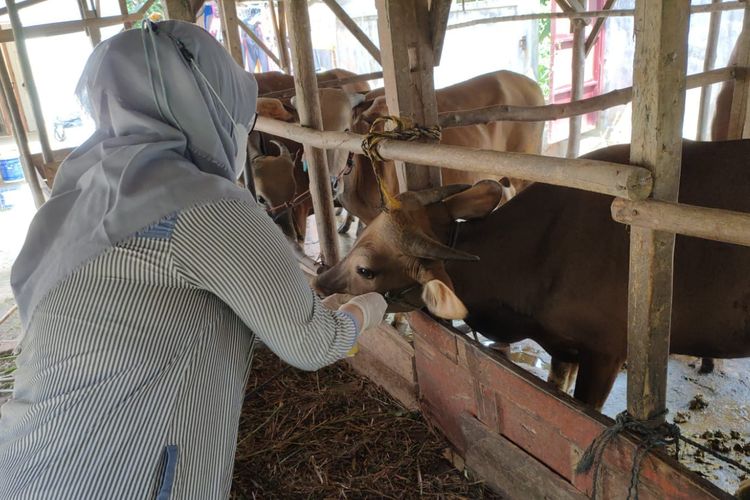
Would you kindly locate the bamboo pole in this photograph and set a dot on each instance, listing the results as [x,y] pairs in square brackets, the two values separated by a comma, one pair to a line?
[404,33]
[260,43]
[738,111]
[694,9]
[28,76]
[624,181]
[578,68]
[124,11]
[440,11]
[354,29]
[19,134]
[565,110]
[597,27]
[659,67]
[708,223]
[229,25]
[308,107]
[336,82]
[8,313]
[93,32]
[709,59]
[283,46]
[65,27]
[283,56]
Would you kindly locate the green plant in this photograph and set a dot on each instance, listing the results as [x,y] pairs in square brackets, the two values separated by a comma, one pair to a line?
[134,5]
[545,46]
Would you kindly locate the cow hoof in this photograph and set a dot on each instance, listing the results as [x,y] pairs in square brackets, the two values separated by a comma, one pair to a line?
[707,366]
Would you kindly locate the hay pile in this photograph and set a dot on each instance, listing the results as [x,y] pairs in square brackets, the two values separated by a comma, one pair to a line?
[334,434]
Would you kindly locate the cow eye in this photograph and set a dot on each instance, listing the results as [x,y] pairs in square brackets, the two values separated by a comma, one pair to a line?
[365,273]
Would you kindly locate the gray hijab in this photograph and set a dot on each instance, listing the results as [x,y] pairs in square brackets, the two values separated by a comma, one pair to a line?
[170,106]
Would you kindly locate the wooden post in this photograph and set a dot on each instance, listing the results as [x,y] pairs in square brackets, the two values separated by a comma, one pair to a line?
[28,76]
[19,134]
[308,106]
[406,50]
[440,11]
[353,28]
[283,54]
[739,108]
[124,11]
[576,89]
[180,10]
[94,33]
[231,31]
[709,59]
[597,27]
[283,47]
[661,28]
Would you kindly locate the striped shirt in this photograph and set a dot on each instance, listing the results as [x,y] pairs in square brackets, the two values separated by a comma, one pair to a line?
[132,372]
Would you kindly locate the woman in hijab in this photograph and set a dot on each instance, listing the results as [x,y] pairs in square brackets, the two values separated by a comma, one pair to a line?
[144,280]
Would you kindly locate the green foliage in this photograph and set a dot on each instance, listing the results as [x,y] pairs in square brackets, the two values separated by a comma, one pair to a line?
[545,47]
[134,5]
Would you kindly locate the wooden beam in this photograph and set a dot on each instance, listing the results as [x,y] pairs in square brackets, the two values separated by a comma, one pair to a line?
[578,69]
[179,10]
[624,181]
[404,30]
[244,27]
[28,76]
[354,29]
[20,5]
[694,9]
[597,27]
[283,47]
[93,33]
[124,11]
[65,27]
[709,58]
[440,11]
[283,54]
[701,222]
[230,29]
[308,107]
[19,134]
[660,63]
[565,110]
[739,109]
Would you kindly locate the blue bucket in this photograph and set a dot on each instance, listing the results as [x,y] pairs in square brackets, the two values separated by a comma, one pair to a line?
[10,169]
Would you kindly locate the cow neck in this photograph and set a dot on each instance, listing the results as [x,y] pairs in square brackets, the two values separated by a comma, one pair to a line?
[443,226]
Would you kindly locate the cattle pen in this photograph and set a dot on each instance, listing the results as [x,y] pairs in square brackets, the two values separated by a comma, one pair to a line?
[521,436]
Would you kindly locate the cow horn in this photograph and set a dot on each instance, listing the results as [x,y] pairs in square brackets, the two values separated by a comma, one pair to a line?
[434,195]
[419,245]
[283,150]
[253,149]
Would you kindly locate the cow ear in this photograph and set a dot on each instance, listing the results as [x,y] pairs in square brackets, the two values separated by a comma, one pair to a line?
[272,108]
[476,202]
[442,302]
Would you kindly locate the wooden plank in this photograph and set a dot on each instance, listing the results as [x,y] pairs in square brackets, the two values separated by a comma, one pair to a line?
[283,48]
[709,58]
[281,44]
[370,365]
[21,5]
[566,110]
[244,27]
[701,222]
[19,134]
[597,27]
[578,68]
[624,181]
[661,28]
[440,11]
[49,170]
[509,469]
[308,107]
[28,76]
[123,4]
[407,61]
[230,29]
[353,28]
[93,32]
[739,109]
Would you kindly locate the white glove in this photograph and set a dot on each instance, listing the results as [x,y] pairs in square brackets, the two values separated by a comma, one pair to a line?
[371,307]
[333,302]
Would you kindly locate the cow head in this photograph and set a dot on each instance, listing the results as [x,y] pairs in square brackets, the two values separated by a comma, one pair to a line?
[400,254]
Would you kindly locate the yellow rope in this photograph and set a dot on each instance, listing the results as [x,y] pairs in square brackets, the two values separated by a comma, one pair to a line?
[403,130]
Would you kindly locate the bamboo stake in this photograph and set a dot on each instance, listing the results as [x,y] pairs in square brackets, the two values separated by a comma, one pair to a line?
[283,47]
[659,67]
[19,134]
[624,181]
[354,29]
[708,223]
[283,56]
[694,9]
[336,82]
[308,107]
[708,61]
[565,110]
[28,76]
[578,68]
[258,41]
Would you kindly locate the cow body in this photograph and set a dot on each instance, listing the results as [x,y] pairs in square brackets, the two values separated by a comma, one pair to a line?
[554,268]
[360,195]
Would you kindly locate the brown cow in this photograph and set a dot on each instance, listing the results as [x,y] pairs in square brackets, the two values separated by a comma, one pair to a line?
[360,194]
[275,81]
[720,122]
[554,266]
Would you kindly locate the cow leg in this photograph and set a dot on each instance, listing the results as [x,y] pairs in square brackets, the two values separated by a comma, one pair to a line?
[707,365]
[596,376]
[561,374]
